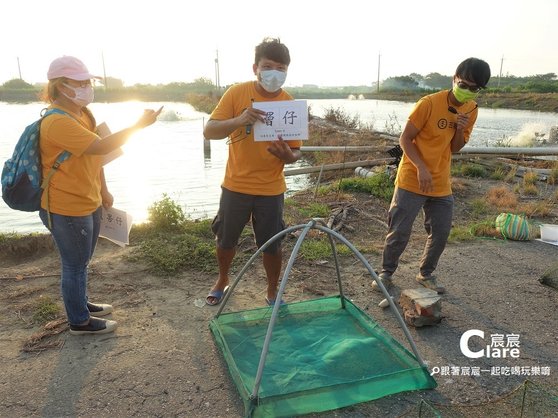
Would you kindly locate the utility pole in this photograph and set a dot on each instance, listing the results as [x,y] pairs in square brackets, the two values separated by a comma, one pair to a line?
[104,71]
[500,76]
[217,80]
[378,81]
[19,69]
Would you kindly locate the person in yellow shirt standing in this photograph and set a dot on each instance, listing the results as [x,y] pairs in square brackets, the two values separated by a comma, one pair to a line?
[254,184]
[439,125]
[71,208]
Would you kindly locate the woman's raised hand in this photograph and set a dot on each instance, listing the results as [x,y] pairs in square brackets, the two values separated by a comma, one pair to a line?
[148,118]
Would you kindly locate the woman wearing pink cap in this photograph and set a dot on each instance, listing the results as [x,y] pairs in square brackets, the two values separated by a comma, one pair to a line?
[72,207]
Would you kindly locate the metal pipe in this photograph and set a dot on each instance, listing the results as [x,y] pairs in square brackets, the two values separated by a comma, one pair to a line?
[357,148]
[510,150]
[465,150]
[339,166]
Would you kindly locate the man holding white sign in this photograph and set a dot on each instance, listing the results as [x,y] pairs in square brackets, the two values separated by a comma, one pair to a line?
[254,184]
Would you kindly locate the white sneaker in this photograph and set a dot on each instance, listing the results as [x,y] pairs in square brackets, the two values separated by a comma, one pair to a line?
[94,326]
[385,278]
[99,309]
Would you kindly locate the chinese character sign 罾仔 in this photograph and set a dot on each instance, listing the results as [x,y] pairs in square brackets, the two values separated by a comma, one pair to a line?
[288,119]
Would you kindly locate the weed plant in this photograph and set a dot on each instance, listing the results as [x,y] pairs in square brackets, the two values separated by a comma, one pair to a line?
[501,198]
[170,243]
[202,102]
[314,210]
[379,185]
[9,237]
[340,117]
[320,249]
[479,207]
[166,214]
[169,254]
[529,189]
[553,176]
[485,228]
[473,170]
[504,142]
[392,125]
[460,234]
[498,174]
[45,310]
[530,178]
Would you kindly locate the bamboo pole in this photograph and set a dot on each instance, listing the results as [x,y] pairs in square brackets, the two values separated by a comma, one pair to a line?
[339,166]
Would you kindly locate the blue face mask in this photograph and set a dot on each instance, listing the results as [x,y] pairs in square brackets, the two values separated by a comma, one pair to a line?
[272,80]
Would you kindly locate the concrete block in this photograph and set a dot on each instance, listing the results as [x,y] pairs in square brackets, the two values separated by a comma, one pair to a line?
[421,306]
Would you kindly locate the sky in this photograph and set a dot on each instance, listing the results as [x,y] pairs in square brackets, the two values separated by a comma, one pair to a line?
[332,43]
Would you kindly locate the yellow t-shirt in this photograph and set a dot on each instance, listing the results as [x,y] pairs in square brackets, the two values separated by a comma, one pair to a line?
[75,189]
[251,168]
[436,125]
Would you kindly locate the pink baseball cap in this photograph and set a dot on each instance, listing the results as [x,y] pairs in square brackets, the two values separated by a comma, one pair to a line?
[69,67]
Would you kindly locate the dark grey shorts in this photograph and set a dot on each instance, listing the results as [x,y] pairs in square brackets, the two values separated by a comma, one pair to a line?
[237,209]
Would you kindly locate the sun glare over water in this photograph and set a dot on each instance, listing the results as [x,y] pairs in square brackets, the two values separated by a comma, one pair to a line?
[169,156]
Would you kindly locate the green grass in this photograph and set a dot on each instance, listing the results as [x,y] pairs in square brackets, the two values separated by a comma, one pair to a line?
[553,176]
[379,185]
[314,210]
[170,243]
[8,237]
[168,254]
[319,249]
[472,170]
[498,174]
[479,207]
[45,310]
[482,229]
[460,234]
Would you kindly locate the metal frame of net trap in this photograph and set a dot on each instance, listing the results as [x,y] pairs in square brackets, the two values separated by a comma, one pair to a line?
[314,355]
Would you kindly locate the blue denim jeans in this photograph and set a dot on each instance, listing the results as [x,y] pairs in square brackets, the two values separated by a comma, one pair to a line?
[75,238]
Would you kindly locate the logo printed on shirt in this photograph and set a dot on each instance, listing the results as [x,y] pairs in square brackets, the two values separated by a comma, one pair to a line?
[442,123]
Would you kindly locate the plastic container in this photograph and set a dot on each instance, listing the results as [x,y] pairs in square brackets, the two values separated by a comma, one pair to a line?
[549,232]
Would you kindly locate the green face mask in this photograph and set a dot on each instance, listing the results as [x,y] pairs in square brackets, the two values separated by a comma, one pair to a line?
[463,95]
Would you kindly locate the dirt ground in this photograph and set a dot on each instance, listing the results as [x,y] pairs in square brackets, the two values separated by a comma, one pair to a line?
[162,360]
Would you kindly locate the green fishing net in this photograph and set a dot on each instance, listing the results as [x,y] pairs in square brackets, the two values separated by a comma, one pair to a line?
[323,354]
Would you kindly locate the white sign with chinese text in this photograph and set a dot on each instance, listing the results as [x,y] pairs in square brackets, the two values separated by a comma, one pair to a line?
[115,226]
[288,118]
[103,131]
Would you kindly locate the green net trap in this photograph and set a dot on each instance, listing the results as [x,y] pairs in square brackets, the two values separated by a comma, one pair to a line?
[323,354]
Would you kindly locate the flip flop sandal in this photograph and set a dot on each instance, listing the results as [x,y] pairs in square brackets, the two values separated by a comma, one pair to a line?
[217,296]
[271,302]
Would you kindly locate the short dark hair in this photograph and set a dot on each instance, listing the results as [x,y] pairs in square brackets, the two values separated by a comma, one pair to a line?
[474,69]
[272,49]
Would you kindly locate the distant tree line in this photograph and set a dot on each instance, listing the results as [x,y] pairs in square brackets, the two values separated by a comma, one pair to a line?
[204,90]
[539,83]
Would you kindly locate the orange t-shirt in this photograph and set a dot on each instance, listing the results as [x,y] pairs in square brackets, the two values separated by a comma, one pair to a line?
[436,127]
[251,168]
[75,189]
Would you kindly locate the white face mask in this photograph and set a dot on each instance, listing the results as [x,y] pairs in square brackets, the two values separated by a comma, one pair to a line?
[83,95]
[272,80]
